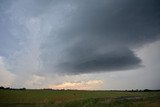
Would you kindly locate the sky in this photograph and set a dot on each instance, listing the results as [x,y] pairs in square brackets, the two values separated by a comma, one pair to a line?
[80,44]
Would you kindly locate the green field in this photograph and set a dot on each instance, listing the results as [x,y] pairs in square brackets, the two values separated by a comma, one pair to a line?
[77,98]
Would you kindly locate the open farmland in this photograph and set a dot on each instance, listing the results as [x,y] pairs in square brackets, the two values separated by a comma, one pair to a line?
[77,98]
[79,53]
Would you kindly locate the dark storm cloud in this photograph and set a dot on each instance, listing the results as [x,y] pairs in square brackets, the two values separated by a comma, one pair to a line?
[127,22]
[123,59]
[101,36]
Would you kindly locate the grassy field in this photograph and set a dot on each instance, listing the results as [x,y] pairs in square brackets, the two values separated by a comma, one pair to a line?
[77,98]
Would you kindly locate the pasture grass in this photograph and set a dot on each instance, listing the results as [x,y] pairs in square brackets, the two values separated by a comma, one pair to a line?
[77,98]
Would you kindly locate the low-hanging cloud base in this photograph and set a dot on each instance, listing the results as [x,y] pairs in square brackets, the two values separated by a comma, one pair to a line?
[45,38]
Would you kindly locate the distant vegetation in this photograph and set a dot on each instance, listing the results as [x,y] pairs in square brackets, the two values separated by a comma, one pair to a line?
[22,97]
[145,90]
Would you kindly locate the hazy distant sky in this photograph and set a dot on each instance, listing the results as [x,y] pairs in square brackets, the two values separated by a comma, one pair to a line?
[80,44]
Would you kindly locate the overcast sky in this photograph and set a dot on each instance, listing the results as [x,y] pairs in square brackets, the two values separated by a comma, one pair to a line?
[80,44]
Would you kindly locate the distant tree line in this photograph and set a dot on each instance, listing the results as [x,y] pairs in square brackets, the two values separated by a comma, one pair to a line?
[137,90]
[8,88]
[145,90]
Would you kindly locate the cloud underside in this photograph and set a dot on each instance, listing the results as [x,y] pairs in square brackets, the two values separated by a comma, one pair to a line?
[111,61]
[74,37]
[101,36]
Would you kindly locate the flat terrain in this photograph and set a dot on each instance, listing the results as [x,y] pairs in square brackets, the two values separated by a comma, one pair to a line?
[77,98]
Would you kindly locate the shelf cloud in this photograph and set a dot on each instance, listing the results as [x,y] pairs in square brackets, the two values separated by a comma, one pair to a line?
[76,37]
[101,36]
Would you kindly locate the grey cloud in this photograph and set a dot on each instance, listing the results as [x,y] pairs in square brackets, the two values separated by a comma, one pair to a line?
[100,36]
[127,22]
[40,39]
[122,59]
[84,36]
